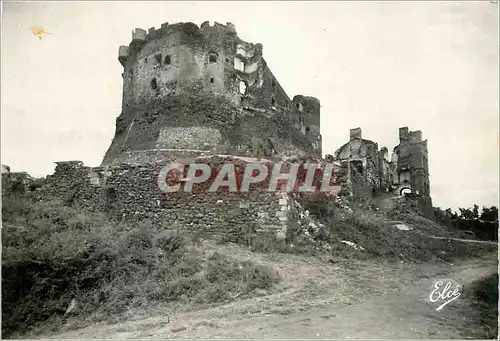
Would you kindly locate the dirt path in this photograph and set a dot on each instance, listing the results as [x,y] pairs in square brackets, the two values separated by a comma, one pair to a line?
[465,240]
[321,299]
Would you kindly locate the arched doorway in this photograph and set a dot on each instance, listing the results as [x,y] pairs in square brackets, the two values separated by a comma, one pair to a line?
[404,190]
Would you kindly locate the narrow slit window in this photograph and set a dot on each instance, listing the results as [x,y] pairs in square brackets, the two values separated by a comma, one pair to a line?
[168,60]
[154,85]
[212,80]
[273,101]
[111,194]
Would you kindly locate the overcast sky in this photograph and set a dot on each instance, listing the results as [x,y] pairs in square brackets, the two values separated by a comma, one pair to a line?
[430,66]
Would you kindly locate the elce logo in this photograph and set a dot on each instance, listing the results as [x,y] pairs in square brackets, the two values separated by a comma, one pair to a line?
[444,291]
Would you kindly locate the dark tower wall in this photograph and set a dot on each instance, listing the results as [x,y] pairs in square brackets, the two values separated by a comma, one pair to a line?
[306,118]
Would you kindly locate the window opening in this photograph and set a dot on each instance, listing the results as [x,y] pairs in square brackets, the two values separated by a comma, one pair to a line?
[212,57]
[154,85]
[405,191]
[243,87]
[357,165]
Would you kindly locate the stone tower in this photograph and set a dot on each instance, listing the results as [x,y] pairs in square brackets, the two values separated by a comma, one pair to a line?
[190,91]
[412,161]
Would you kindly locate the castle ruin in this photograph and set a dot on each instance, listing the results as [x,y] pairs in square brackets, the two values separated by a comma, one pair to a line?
[202,93]
[194,91]
[406,173]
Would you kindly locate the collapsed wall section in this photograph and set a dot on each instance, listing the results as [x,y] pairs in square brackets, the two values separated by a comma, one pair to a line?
[368,169]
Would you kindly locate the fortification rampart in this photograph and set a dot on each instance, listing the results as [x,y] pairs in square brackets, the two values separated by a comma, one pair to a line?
[129,192]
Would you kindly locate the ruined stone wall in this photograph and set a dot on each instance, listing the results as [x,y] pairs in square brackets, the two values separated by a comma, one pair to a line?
[131,192]
[128,192]
[184,121]
[368,163]
[361,189]
[204,125]
[265,92]
[407,169]
[15,182]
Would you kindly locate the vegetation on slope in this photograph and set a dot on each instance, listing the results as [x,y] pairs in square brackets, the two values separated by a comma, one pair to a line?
[52,254]
[365,226]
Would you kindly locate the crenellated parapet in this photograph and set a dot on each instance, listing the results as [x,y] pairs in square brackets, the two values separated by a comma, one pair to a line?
[141,37]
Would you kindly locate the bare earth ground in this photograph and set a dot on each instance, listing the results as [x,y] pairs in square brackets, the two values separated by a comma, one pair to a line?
[318,299]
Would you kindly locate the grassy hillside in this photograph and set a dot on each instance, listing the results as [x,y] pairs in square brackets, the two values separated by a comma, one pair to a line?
[377,234]
[52,254]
